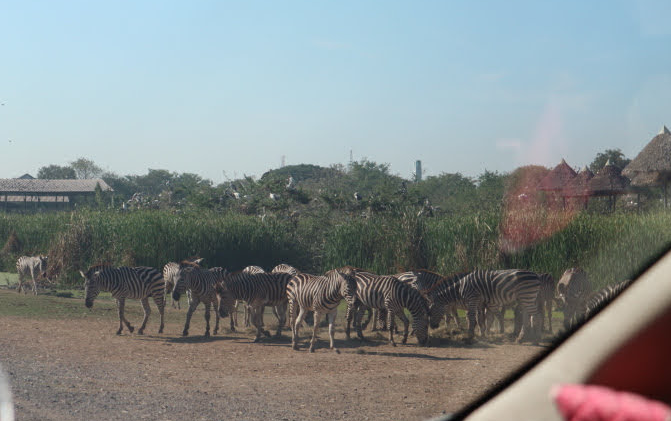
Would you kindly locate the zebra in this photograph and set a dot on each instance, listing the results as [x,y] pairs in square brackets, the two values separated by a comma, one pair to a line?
[598,300]
[258,290]
[321,294]
[33,266]
[139,283]
[545,298]
[573,289]
[389,294]
[202,284]
[234,313]
[486,288]
[169,272]
[423,281]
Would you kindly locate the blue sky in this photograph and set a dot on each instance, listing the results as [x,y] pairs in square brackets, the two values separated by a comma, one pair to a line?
[212,86]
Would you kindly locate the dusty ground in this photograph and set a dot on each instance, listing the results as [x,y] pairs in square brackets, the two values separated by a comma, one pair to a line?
[76,368]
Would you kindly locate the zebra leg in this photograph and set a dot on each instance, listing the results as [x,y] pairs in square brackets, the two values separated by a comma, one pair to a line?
[296,326]
[406,324]
[375,314]
[315,327]
[147,312]
[18,288]
[481,319]
[281,314]
[331,319]
[120,303]
[501,317]
[357,322]
[548,306]
[349,314]
[160,304]
[216,319]
[390,326]
[455,316]
[248,315]
[471,314]
[34,283]
[192,307]
[207,320]
[233,317]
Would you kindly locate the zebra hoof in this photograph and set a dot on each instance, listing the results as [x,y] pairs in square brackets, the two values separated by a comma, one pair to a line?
[118,332]
[404,341]
[185,333]
[207,334]
[233,329]
[337,351]
[140,332]
[312,349]
[214,332]
[257,339]
[131,329]
[265,332]
[160,330]
[294,346]
[393,344]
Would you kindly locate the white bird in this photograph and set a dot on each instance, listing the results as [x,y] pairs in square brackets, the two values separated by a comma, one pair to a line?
[274,196]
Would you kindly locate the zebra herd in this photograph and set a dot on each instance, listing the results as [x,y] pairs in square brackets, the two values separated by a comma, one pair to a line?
[427,296]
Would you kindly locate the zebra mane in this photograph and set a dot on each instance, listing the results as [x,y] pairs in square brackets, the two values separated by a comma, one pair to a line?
[451,277]
[98,267]
[187,263]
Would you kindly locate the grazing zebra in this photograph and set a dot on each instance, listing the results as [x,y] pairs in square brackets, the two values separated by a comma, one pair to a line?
[573,289]
[597,301]
[257,290]
[201,283]
[389,294]
[423,281]
[320,294]
[545,298]
[33,266]
[485,289]
[169,272]
[139,283]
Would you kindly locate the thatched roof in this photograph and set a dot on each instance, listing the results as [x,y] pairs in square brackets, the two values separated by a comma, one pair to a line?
[609,181]
[579,186]
[36,187]
[558,178]
[652,166]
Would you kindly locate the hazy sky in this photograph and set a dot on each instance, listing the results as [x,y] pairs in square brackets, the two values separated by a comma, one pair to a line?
[212,86]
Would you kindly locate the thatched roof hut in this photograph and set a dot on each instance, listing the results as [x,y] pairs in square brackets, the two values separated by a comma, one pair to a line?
[652,166]
[579,186]
[558,178]
[609,181]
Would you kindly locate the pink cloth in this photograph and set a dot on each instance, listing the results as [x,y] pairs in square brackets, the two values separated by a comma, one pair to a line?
[596,403]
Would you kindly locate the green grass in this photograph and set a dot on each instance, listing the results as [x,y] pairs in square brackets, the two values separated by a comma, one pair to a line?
[8,278]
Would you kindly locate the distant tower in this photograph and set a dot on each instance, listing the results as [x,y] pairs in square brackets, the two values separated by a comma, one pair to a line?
[351,157]
[284,161]
[418,170]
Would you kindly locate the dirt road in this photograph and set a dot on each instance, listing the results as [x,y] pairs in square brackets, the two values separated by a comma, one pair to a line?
[78,369]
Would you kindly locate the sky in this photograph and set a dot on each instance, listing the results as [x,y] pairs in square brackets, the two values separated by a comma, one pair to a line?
[223,89]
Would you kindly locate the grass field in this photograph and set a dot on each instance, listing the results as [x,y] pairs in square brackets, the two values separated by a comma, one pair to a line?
[8,278]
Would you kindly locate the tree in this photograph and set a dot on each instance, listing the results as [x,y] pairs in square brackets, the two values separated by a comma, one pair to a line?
[615,156]
[56,172]
[85,168]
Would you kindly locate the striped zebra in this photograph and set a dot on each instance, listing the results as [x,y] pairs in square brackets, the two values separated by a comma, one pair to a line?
[424,281]
[598,300]
[138,283]
[201,282]
[257,290]
[247,312]
[573,289]
[545,298]
[389,294]
[320,294]
[483,289]
[169,272]
[33,266]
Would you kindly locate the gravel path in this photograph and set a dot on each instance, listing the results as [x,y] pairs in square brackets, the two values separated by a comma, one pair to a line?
[80,370]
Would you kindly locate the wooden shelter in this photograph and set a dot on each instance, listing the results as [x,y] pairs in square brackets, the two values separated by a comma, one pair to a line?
[17,193]
[579,187]
[652,166]
[609,182]
[557,180]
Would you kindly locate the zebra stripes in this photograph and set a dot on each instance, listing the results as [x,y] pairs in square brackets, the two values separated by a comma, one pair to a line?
[389,294]
[320,294]
[597,301]
[284,268]
[169,272]
[138,283]
[424,281]
[573,289]
[201,283]
[482,289]
[33,266]
[258,290]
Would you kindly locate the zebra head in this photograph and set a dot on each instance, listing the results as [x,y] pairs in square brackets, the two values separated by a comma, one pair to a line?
[226,300]
[181,279]
[348,283]
[420,328]
[91,287]
[42,266]
[436,313]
